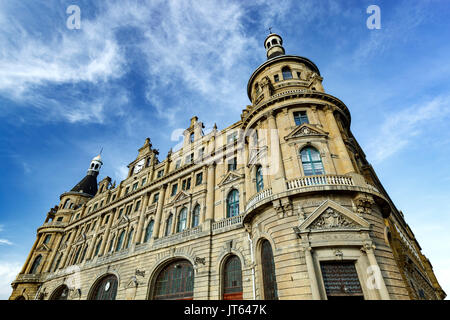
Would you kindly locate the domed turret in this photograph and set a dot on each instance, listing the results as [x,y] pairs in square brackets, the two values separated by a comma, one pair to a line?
[273,45]
[89,183]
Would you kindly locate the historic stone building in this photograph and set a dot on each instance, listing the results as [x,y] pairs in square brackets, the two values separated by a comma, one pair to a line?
[280,205]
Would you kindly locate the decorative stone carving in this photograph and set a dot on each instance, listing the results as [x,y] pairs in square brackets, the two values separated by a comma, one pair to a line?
[364,203]
[283,207]
[332,219]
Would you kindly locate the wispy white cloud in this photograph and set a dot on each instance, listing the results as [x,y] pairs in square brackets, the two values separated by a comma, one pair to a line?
[400,128]
[5,241]
[8,272]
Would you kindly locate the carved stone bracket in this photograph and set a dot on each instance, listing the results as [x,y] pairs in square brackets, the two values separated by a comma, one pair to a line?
[364,203]
[283,207]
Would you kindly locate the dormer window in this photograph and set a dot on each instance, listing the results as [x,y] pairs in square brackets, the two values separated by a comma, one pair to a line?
[191,137]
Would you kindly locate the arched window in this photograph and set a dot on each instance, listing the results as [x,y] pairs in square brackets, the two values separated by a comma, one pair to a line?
[274,42]
[36,263]
[120,240]
[149,231]
[84,254]
[311,161]
[233,203]
[232,279]
[61,293]
[105,289]
[196,216]
[175,282]
[97,248]
[287,74]
[259,179]
[191,137]
[66,204]
[168,225]
[111,243]
[268,272]
[77,254]
[130,236]
[182,219]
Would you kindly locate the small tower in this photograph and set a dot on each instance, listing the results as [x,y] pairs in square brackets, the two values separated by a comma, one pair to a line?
[96,164]
[273,45]
[89,183]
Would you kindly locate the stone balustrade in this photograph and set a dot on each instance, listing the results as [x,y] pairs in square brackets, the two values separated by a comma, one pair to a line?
[308,181]
[258,197]
[227,222]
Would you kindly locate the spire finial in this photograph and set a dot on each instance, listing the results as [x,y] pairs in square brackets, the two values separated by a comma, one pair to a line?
[270,30]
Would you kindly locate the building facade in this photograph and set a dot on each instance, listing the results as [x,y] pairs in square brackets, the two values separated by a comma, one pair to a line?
[280,205]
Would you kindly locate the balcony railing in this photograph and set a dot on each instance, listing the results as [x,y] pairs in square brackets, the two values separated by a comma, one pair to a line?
[227,222]
[320,180]
[259,197]
[178,236]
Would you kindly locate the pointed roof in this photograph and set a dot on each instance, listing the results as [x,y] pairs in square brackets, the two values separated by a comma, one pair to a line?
[87,185]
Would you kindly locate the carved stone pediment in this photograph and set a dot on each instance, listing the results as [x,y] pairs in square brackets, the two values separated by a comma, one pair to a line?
[43,247]
[306,130]
[330,216]
[230,177]
[123,220]
[256,155]
[180,196]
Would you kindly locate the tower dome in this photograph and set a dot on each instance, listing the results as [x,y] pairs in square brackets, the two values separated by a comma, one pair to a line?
[274,45]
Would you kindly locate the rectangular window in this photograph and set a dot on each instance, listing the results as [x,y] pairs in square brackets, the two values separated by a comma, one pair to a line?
[107,219]
[156,197]
[95,207]
[232,137]
[136,208]
[177,164]
[47,239]
[189,158]
[129,209]
[101,204]
[174,189]
[198,178]
[298,75]
[300,117]
[127,189]
[186,184]
[59,219]
[232,164]
[120,213]
[160,173]
[113,197]
[201,152]
[143,181]
[135,186]
[276,78]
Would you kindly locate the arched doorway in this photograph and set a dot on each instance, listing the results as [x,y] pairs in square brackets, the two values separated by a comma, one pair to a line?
[61,293]
[175,282]
[232,279]
[105,289]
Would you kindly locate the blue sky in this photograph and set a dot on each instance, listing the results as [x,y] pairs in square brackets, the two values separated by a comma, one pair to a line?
[138,69]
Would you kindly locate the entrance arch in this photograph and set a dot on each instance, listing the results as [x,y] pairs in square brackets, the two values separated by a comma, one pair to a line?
[175,281]
[61,293]
[105,288]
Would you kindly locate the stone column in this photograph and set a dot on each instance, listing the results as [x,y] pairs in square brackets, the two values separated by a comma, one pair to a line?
[248,177]
[210,184]
[345,163]
[379,280]
[277,166]
[94,239]
[69,245]
[140,225]
[55,250]
[312,274]
[156,226]
[106,234]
